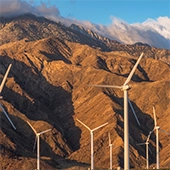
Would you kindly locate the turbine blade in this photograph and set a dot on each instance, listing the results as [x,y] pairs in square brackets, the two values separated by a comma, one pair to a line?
[140,143]
[133,70]
[32,127]
[100,126]
[154,115]
[147,140]
[107,86]
[168,133]
[133,112]
[8,117]
[34,143]
[44,131]
[149,149]
[5,77]
[83,124]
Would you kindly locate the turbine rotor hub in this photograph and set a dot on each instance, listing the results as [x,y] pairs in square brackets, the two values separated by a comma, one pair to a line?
[126,87]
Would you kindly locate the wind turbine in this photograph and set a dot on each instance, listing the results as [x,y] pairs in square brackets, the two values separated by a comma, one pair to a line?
[110,146]
[38,143]
[91,134]
[1,88]
[5,77]
[147,149]
[157,138]
[125,87]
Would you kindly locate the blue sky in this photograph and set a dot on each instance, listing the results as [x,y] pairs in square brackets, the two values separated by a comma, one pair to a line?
[101,11]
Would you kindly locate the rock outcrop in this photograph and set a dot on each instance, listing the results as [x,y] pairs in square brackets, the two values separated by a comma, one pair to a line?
[52,66]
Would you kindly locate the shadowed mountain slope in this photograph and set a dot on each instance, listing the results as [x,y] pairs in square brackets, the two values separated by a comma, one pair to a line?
[48,86]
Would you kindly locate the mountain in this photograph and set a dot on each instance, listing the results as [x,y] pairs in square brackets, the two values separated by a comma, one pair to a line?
[52,66]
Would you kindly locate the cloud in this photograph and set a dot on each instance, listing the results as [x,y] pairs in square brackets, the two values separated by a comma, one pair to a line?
[161,25]
[47,11]
[17,7]
[14,7]
[153,32]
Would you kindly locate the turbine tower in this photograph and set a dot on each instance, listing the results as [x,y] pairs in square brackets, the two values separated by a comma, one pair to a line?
[147,149]
[38,143]
[1,88]
[125,87]
[157,138]
[91,134]
[110,146]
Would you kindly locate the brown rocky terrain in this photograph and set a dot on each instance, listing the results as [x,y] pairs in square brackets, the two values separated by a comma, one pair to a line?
[52,66]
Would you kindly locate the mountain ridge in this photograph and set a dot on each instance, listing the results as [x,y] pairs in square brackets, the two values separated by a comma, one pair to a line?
[28,31]
[48,86]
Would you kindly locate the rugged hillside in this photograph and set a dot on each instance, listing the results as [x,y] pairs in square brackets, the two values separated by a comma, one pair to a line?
[31,28]
[48,86]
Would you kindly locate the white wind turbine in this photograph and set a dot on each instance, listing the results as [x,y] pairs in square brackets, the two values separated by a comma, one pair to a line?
[91,134]
[157,138]
[147,149]
[125,87]
[38,143]
[1,88]
[110,146]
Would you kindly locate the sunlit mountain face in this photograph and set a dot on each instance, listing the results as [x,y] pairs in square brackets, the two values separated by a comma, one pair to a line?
[48,86]
[154,32]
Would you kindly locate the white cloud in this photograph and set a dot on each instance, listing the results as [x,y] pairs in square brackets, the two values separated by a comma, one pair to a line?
[14,7]
[17,7]
[153,32]
[161,25]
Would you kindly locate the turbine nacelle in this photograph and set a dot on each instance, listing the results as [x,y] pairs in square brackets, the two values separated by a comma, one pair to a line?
[147,143]
[91,134]
[157,127]
[147,149]
[126,87]
[38,143]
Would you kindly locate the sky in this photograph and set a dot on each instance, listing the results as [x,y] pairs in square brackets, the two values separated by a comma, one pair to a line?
[127,21]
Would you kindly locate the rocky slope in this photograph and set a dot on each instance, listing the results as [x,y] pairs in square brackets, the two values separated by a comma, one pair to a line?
[48,86]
